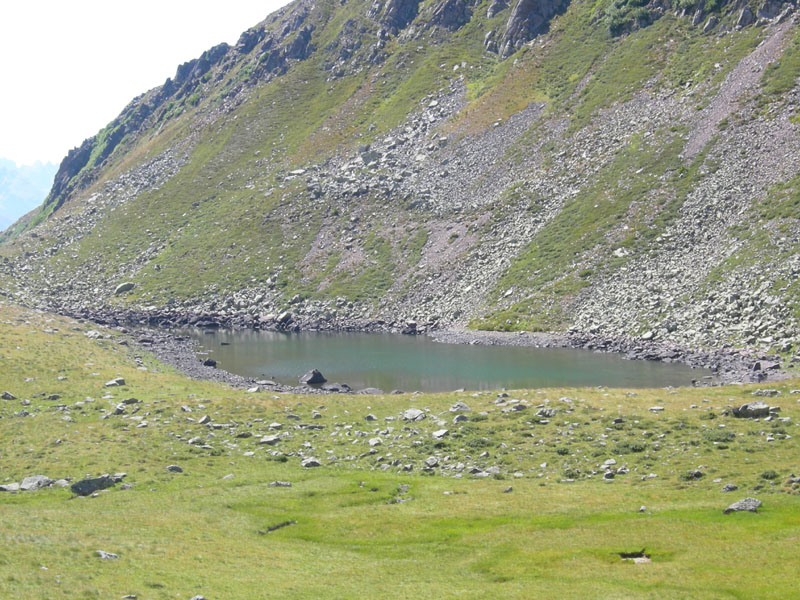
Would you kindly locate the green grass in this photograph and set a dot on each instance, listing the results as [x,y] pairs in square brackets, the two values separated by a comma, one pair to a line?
[197,533]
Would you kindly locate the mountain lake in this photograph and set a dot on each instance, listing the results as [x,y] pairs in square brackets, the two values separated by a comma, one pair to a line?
[418,363]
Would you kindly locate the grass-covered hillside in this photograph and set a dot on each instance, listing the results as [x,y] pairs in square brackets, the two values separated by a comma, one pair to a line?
[616,167]
[515,500]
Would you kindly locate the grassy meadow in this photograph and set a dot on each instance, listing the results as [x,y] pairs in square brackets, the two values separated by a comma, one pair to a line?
[374,519]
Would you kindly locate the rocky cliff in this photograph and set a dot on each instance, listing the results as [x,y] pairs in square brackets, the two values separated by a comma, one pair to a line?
[612,168]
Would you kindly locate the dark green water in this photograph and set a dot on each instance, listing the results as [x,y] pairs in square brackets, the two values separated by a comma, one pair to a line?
[412,363]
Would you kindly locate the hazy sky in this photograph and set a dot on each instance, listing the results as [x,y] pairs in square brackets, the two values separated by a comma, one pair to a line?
[70,67]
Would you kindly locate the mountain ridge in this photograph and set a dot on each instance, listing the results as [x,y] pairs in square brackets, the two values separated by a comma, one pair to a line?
[383,162]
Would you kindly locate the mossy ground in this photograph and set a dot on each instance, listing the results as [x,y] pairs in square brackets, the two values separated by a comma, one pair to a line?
[178,535]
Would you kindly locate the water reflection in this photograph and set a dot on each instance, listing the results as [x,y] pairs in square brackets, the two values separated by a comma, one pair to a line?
[389,361]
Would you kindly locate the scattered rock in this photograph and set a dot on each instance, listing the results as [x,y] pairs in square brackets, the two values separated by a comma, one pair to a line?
[174,469]
[413,414]
[752,410]
[310,462]
[119,381]
[106,555]
[8,396]
[124,287]
[280,484]
[86,487]
[313,377]
[730,487]
[747,504]
[34,482]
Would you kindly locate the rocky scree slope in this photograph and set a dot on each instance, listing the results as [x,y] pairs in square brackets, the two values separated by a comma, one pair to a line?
[609,168]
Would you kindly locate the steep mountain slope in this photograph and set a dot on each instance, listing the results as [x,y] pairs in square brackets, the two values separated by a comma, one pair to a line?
[614,167]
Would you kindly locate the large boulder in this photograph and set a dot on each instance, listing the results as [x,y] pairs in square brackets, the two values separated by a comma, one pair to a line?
[752,410]
[413,414]
[124,287]
[34,482]
[87,487]
[313,377]
[748,504]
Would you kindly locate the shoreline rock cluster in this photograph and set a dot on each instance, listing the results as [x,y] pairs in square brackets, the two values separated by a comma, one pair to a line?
[158,333]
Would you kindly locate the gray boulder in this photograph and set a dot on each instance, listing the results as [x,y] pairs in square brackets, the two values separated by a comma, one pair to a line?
[413,414]
[752,410]
[124,287]
[748,504]
[310,462]
[34,482]
[8,396]
[106,555]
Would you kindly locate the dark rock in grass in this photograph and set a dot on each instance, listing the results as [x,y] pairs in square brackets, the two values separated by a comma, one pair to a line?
[310,462]
[313,377]
[86,487]
[752,410]
[730,487]
[209,362]
[106,555]
[508,490]
[8,396]
[119,381]
[280,484]
[34,482]
[748,504]
[174,469]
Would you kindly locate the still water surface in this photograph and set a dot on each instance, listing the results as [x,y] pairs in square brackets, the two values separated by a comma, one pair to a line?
[410,363]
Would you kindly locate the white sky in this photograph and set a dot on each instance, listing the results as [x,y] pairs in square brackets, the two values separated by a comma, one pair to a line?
[70,66]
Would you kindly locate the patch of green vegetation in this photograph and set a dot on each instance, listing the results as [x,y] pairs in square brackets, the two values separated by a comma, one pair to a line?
[349,528]
[781,76]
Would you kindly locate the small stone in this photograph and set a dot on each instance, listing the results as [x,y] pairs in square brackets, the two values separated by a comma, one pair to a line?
[432,461]
[656,409]
[440,433]
[730,487]
[642,509]
[370,417]
[106,555]
[174,469]
[8,396]
[280,484]
[375,442]
[205,419]
[119,381]
[310,462]
[270,440]
[508,490]
[459,407]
